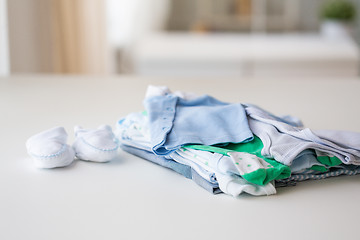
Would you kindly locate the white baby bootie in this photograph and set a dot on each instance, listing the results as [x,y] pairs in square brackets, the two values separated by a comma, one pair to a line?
[96,145]
[48,149]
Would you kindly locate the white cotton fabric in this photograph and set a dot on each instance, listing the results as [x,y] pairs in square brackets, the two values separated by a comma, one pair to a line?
[48,149]
[234,185]
[96,145]
[247,163]
[153,91]
[285,142]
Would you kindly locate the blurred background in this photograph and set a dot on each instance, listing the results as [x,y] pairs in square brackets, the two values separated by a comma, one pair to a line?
[186,38]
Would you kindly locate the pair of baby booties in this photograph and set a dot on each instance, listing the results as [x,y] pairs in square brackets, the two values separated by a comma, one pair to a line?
[49,149]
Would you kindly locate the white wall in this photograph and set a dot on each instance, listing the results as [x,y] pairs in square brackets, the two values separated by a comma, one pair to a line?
[127,22]
[129,19]
[4,47]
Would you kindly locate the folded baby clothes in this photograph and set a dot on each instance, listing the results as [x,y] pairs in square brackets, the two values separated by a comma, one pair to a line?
[348,170]
[234,185]
[133,131]
[288,119]
[160,160]
[182,169]
[284,142]
[133,134]
[239,148]
[174,122]
[229,183]
[308,159]
[205,172]
[247,161]
[344,139]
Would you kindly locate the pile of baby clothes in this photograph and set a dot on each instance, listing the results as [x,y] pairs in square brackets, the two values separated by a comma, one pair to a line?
[233,148]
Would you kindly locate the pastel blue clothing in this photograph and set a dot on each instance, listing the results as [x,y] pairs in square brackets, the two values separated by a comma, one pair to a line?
[207,175]
[208,186]
[284,142]
[133,131]
[182,169]
[345,139]
[174,122]
[288,119]
[305,160]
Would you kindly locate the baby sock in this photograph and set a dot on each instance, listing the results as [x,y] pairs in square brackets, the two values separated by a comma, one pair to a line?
[48,149]
[96,145]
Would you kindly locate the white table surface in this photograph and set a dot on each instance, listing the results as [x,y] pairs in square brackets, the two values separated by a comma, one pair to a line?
[135,199]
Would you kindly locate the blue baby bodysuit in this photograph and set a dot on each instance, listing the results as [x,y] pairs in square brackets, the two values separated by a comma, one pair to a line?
[174,122]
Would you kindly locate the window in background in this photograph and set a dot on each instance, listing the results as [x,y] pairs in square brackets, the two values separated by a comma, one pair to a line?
[289,43]
[234,15]
[57,36]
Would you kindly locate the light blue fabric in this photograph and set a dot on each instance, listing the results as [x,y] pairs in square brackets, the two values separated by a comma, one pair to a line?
[132,131]
[174,122]
[285,142]
[186,171]
[160,160]
[207,175]
[305,160]
[291,120]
